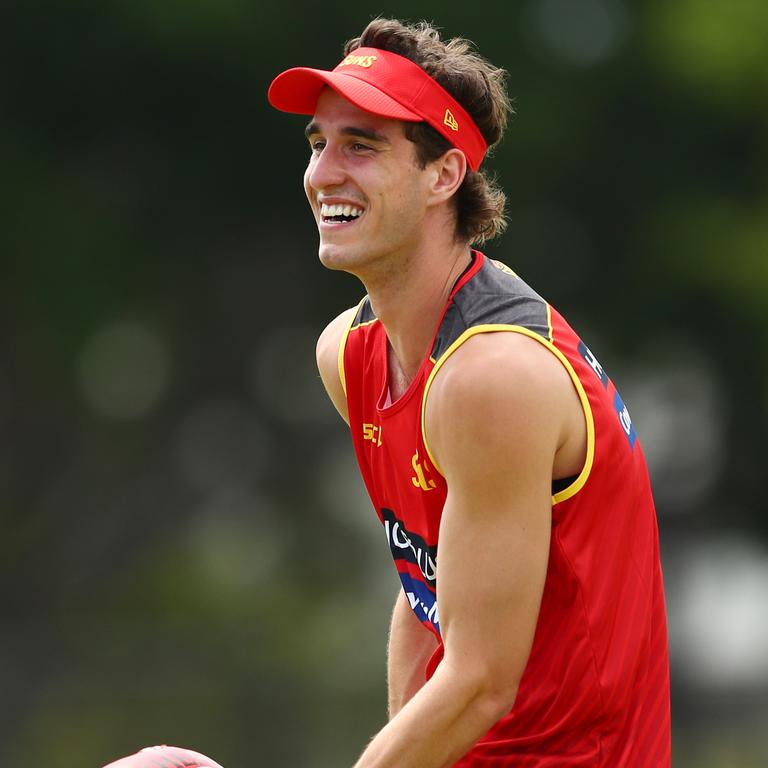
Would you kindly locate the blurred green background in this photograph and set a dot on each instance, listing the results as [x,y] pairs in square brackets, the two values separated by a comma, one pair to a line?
[186,552]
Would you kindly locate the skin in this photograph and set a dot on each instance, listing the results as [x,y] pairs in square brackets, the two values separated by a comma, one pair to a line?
[410,648]
[405,252]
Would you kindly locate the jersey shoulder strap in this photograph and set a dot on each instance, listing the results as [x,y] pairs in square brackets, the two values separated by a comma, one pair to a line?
[362,316]
[494,299]
[364,313]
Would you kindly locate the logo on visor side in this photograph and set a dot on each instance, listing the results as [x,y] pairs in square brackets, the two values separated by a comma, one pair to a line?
[450,120]
[358,61]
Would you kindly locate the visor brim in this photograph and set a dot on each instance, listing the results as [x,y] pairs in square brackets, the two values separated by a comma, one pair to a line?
[297,91]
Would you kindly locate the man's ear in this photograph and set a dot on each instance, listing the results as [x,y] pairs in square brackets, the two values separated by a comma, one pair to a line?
[448,174]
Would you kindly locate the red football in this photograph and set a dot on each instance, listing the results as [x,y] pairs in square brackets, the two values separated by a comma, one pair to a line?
[165,757]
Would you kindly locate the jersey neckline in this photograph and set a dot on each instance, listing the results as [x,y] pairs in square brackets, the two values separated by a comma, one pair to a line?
[478,259]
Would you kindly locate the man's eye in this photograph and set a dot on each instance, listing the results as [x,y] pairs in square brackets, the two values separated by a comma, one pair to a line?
[358,147]
[317,145]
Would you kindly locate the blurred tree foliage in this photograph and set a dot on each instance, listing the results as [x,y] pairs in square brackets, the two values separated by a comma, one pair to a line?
[187,554]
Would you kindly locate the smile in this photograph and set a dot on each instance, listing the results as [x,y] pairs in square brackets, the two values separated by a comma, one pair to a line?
[339,214]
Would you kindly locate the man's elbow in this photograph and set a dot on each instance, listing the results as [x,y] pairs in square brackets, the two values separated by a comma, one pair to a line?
[495,697]
[490,692]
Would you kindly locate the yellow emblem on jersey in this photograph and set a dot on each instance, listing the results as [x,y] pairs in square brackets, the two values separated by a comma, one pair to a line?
[372,432]
[419,480]
[503,267]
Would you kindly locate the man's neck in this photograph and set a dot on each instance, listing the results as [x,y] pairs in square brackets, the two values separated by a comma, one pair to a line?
[409,303]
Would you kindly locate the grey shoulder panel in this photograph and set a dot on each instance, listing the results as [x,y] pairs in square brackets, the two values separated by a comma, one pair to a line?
[494,296]
[365,313]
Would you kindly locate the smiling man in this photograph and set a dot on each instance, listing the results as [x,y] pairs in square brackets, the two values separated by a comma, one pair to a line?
[530,629]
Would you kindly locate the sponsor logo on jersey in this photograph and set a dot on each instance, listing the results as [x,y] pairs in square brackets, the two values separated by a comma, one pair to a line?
[504,268]
[410,547]
[372,432]
[423,602]
[420,480]
[593,363]
[625,419]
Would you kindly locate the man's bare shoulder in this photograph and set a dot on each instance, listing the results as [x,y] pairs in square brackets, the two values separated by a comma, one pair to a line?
[511,365]
[499,385]
[327,352]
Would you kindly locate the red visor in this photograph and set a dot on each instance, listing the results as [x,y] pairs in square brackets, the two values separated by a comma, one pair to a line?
[388,85]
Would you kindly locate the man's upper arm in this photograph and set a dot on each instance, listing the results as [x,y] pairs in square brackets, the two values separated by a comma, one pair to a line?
[496,414]
[328,359]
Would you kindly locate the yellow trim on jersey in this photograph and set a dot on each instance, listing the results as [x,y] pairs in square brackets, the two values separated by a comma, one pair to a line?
[367,322]
[343,345]
[579,482]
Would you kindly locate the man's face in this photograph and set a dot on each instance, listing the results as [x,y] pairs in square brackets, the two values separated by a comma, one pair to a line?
[367,193]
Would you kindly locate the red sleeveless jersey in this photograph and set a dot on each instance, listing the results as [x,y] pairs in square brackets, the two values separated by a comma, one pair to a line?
[595,690]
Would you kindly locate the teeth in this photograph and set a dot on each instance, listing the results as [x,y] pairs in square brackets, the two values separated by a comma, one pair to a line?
[328,211]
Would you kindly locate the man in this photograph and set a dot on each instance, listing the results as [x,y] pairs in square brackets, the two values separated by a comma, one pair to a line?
[485,430]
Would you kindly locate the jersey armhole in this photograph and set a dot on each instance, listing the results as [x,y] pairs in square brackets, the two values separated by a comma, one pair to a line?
[573,488]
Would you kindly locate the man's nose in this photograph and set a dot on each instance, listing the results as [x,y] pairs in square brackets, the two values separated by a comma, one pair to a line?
[326,169]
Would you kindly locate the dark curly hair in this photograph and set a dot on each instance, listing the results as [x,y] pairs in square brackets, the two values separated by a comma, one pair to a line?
[478,86]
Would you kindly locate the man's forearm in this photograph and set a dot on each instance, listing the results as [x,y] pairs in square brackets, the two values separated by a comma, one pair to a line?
[439,724]
[411,645]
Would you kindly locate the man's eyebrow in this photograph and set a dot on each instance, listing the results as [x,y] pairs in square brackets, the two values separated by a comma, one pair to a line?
[352,130]
[365,133]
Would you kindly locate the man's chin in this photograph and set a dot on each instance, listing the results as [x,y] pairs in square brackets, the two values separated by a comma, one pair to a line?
[334,257]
